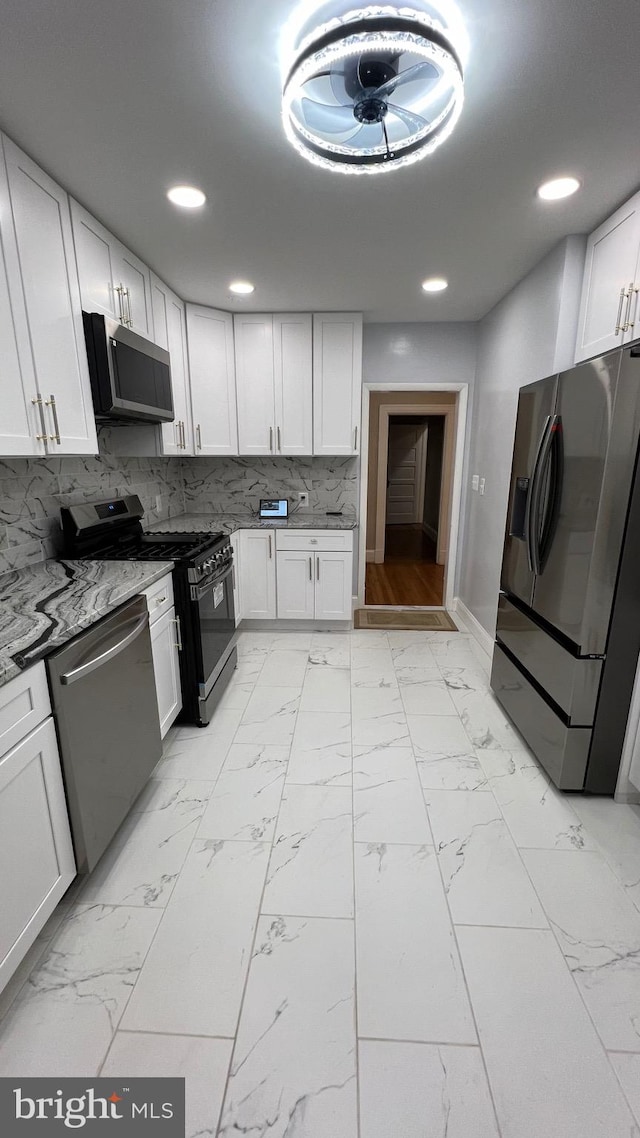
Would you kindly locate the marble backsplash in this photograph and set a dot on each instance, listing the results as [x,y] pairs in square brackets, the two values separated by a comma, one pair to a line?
[33,489]
[236,485]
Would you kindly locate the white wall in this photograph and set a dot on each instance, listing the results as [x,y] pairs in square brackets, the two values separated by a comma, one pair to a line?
[531,333]
[401,354]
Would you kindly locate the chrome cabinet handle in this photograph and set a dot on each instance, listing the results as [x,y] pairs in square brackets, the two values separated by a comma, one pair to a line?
[270,555]
[279,440]
[176,620]
[160,600]
[184,434]
[51,402]
[91,665]
[37,402]
[176,434]
[121,312]
[311,568]
[355,439]
[619,326]
[317,568]
[313,541]
[271,439]
[628,322]
[129,319]
[199,437]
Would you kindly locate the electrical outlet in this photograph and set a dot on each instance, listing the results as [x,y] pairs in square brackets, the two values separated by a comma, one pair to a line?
[159,502]
[303,498]
[483,483]
[475,481]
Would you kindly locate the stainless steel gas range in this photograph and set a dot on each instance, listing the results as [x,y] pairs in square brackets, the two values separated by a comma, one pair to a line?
[111,530]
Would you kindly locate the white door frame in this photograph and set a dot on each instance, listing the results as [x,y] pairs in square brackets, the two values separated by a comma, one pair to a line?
[456,494]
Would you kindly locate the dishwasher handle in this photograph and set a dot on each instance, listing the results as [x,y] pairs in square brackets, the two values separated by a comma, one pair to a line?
[104,657]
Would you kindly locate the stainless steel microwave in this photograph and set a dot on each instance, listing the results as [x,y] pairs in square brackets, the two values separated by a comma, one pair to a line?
[130,376]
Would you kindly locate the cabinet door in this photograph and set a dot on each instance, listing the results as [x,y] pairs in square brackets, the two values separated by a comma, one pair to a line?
[166,665]
[213,380]
[337,383]
[35,841]
[293,366]
[237,597]
[612,254]
[94,247]
[169,332]
[19,420]
[258,575]
[52,302]
[296,588]
[136,281]
[333,586]
[253,337]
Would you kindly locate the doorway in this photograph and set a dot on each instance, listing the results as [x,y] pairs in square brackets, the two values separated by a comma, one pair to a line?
[412,447]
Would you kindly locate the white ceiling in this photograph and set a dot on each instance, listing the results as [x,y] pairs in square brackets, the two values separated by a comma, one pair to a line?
[119,99]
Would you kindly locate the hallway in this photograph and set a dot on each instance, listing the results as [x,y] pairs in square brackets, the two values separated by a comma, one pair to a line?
[409,574]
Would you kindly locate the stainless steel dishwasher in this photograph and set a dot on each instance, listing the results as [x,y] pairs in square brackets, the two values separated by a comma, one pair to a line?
[104,700]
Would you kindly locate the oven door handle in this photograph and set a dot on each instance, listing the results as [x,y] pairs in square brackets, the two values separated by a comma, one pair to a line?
[200,591]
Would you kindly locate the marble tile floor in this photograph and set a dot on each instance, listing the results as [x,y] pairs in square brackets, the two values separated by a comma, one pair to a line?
[353,907]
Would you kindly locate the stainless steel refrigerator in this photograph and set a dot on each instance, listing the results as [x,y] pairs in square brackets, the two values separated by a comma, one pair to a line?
[569,610]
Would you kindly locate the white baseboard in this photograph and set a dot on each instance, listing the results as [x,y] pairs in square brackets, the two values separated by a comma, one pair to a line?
[430,531]
[472,625]
[371,555]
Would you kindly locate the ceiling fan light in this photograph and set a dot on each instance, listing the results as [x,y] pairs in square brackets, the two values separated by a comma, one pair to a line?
[405,135]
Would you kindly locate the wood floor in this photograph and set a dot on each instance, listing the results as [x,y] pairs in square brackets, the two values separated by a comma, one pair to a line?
[409,575]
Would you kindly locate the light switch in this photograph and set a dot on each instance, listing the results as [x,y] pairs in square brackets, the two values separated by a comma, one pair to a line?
[482,485]
[475,482]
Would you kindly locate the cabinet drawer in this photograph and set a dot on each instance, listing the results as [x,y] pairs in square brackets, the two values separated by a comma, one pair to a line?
[159,598]
[315,541]
[24,703]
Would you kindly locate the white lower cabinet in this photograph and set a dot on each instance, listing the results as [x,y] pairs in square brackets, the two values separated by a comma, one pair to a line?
[257,572]
[314,574]
[166,665]
[166,645]
[333,586]
[294,575]
[35,839]
[296,585]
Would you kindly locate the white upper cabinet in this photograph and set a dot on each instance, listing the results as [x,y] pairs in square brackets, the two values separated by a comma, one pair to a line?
[274,374]
[612,277]
[337,383]
[293,375]
[49,299]
[170,333]
[19,422]
[255,386]
[213,383]
[112,280]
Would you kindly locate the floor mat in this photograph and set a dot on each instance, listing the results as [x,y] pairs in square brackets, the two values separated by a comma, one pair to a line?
[404,620]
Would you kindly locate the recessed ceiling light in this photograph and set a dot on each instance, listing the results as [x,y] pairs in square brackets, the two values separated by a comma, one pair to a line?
[242,288]
[558,188]
[435,284]
[187,196]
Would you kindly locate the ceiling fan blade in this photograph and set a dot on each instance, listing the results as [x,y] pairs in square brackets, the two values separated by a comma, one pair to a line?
[413,121]
[423,70]
[327,118]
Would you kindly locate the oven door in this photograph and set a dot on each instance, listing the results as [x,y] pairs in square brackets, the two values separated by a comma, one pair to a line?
[214,626]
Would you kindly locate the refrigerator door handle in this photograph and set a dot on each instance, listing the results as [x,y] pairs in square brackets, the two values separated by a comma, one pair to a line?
[549,525]
[532,503]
